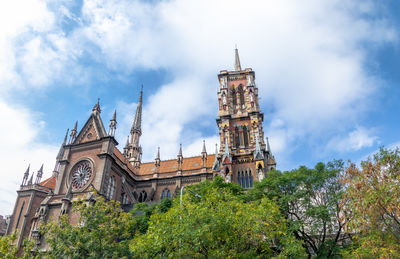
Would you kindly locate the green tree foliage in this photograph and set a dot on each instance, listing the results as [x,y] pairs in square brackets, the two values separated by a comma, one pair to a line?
[103,231]
[312,201]
[373,194]
[217,225]
[8,249]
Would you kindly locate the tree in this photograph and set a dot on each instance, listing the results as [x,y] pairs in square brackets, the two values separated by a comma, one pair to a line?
[219,224]
[373,193]
[312,201]
[8,249]
[103,231]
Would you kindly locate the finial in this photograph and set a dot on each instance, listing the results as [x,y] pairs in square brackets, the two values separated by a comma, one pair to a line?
[268,147]
[137,122]
[26,175]
[216,162]
[96,108]
[113,124]
[39,175]
[180,150]
[31,179]
[157,160]
[65,138]
[204,147]
[72,136]
[237,60]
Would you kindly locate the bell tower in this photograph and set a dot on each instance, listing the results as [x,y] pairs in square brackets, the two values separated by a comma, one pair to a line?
[240,125]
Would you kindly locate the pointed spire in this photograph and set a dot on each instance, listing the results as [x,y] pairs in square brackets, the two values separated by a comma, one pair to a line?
[137,122]
[204,154]
[226,147]
[180,150]
[96,109]
[26,175]
[157,160]
[216,162]
[180,158]
[72,136]
[31,179]
[39,175]
[237,60]
[61,150]
[65,138]
[268,147]
[258,154]
[113,124]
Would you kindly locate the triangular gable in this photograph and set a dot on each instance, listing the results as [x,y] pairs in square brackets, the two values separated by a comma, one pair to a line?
[92,130]
[226,160]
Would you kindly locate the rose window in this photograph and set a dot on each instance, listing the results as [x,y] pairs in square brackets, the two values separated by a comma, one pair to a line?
[81,174]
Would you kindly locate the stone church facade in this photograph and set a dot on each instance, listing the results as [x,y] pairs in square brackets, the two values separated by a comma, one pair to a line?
[89,159]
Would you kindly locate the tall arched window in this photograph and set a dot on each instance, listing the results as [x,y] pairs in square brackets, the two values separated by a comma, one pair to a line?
[241,96]
[111,188]
[124,198]
[142,196]
[166,193]
[245,136]
[237,137]
[247,179]
[250,179]
[233,94]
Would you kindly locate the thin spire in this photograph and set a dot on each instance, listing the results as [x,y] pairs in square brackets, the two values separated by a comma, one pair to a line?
[216,162]
[113,124]
[258,154]
[127,142]
[157,160]
[72,136]
[226,147]
[268,147]
[204,147]
[180,150]
[137,122]
[96,108]
[237,60]
[39,175]
[26,175]
[31,179]
[61,150]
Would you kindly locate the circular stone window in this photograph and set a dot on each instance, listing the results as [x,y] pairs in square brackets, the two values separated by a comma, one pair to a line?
[81,174]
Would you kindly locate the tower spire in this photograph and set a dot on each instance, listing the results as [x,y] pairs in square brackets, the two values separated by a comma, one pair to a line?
[237,60]
[157,160]
[96,109]
[137,122]
[216,162]
[39,175]
[72,137]
[135,150]
[268,147]
[180,158]
[26,175]
[113,124]
[204,154]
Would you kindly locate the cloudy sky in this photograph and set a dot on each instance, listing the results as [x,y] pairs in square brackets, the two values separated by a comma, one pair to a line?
[327,72]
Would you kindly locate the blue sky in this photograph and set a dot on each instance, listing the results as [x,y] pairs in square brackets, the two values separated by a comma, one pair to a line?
[327,73]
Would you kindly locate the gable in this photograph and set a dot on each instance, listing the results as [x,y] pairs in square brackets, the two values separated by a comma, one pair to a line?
[92,130]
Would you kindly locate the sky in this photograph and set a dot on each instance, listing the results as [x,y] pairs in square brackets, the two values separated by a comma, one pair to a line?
[327,73]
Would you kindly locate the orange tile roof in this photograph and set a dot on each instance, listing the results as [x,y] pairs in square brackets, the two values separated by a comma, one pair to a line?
[168,166]
[49,182]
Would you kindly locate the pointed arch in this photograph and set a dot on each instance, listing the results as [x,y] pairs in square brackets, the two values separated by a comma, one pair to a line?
[247,179]
[166,193]
[251,178]
[245,136]
[233,95]
[237,137]
[241,96]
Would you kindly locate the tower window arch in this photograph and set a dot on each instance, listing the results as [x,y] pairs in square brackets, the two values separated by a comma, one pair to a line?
[124,199]
[245,136]
[241,95]
[233,95]
[237,137]
[166,193]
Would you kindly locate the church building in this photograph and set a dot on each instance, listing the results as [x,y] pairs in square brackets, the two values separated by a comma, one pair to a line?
[89,160]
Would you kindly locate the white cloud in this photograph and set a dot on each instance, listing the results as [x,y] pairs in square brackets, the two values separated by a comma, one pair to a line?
[19,148]
[309,59]
[354,141]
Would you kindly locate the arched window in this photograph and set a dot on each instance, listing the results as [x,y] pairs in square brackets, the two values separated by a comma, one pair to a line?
[142,196]
[245,136]
[166,193]
[250,179]
[111,188]
[241,94]
[124,198]
[237,137]
[135,195]
[240,178]
[246,176]
[233,94]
